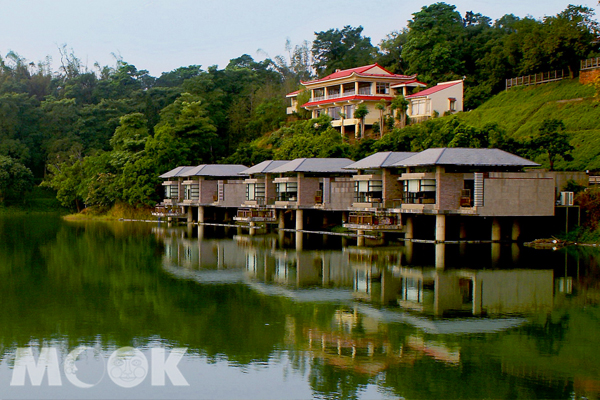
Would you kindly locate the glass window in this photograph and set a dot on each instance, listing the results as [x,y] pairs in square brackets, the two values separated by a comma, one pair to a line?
[383,88]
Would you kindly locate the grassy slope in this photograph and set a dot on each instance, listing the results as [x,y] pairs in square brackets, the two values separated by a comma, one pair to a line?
[521,110]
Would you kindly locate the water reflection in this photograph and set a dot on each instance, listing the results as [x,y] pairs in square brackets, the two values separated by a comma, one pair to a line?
[382,276]
[331,321]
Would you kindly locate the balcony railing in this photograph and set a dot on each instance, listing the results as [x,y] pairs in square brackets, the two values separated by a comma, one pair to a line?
[419,198]
[364,91]
[287,196]
[371,219]
[257,214]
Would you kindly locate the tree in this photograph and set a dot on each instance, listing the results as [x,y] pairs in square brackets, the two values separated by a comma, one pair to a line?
[400,105]
[341,49]
[381,106]
[553,141]
[15,180]
[360,113]
[432,46]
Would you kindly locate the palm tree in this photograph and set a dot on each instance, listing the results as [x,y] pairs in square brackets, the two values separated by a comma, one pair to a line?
[381,107]
[401,105]
[360,113]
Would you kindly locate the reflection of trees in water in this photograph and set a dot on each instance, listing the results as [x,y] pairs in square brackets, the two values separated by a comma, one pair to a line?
[80,282]
[549,337]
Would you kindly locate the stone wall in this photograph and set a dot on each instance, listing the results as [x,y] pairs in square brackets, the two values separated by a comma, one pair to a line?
[588,76]
[342,194]
[526,196]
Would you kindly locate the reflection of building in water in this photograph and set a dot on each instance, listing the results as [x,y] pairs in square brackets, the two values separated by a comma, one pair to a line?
[373,275]
[478,292]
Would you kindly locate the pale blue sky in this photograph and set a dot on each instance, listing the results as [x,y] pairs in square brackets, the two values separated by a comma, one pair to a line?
[160,35]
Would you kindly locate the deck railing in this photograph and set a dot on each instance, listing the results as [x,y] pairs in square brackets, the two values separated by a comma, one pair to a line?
[536,79]
[590,63]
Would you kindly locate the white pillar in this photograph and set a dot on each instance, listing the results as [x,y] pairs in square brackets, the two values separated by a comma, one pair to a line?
[200,214]
[516,230]
[360,239]
[440,228]
[410,228]
[299,220]
[496,234]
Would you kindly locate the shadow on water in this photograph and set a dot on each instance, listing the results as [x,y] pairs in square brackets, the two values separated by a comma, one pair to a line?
[414,320]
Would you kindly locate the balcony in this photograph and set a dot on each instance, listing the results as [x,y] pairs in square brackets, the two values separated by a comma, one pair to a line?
[168,211]
[256,215]
[372,221]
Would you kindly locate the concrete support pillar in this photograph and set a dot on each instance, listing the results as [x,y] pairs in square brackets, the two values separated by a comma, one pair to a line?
[190,217]
[200,232]
[200,215]
[226,216]
[252,228]
[410,228]
[280,238]
[409,248]
[360,240]
[281,219]
[496,247]
[476,297]
[516,230]
[496,234]
[440,228]
[463,231]
[299,220]
[515,251]
[440,256]
[299,241]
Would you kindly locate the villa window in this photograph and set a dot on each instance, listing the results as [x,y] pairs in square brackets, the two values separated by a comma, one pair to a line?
[334,112]
[191,192]
[383,88]
[255,192]
[333,92]
[451,104]
[419,191]
[368,191]
[364,88]
[319,94]
[171,192]
[349,89]
[287,191]
[349,111]
[420,107]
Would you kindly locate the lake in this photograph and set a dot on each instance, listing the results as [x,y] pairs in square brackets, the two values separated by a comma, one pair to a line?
[138,310]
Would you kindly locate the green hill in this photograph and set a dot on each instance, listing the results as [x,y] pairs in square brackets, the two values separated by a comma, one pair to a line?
[521,110]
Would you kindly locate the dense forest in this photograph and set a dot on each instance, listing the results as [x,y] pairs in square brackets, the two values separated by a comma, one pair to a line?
[103,135]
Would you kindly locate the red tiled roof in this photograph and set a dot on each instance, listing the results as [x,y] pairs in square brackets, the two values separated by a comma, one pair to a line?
[295,93]
[346,98]
[359,71]
[394,85]
[434,89]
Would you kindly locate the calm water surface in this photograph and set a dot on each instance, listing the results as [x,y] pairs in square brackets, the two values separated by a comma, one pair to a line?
[127,310]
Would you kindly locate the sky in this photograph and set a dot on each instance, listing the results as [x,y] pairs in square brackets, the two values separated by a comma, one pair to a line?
[162,35]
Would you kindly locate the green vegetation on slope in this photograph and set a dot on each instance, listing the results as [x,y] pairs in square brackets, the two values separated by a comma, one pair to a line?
[521,111]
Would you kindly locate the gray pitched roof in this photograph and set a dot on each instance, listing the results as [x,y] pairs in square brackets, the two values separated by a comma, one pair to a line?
[465,156]
[264,167]
[325,165]
[215,170]
[380,160]
[175,172]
